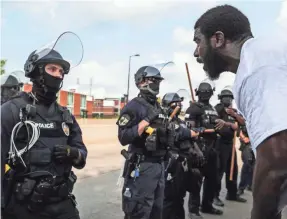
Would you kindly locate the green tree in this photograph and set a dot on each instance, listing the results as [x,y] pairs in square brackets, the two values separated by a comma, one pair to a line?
[3,63]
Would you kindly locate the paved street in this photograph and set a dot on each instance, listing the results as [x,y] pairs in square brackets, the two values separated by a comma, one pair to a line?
[99,198]
[96,190]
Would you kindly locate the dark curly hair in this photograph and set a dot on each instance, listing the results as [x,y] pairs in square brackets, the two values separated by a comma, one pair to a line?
[227,19]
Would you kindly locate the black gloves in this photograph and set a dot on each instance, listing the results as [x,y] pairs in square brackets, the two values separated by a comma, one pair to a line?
[65,152]
[152,114]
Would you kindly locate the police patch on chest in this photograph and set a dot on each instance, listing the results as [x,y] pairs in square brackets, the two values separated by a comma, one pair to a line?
[65,128]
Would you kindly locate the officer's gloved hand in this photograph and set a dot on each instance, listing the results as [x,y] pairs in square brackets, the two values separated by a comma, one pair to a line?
[65,152]
[152,114]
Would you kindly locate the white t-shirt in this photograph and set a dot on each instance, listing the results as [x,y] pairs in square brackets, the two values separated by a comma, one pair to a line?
[260,86]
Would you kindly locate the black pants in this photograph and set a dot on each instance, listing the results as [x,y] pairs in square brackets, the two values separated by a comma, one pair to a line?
[174,193]
[210,173]
[147,192]
[248,160]
[60,210]
[246,176]
[194,190]
[225,156]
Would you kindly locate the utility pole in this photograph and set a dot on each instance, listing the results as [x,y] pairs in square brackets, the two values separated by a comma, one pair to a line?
[91,85]
[129,73]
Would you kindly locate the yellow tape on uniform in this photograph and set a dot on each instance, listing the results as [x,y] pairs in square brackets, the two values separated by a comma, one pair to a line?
[7,168]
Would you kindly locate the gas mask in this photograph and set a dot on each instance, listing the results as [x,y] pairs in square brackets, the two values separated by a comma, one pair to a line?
[204,95]
[172,107]
[7,93]
[226,101]
[152,87]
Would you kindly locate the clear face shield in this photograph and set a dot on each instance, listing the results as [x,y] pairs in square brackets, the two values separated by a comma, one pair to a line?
[66,50]
[186,99]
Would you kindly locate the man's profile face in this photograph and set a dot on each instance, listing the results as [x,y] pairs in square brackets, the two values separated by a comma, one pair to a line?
[213,62]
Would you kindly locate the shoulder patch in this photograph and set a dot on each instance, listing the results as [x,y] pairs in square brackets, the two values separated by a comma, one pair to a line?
[124,120]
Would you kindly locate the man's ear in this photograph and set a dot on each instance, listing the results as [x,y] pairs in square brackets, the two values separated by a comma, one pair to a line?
[217,40]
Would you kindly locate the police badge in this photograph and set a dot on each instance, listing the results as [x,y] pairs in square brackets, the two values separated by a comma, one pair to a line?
[66,129]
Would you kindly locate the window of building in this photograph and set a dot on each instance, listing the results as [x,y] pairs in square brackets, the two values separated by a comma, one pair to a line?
[70,99]
[58,98]
[83,101]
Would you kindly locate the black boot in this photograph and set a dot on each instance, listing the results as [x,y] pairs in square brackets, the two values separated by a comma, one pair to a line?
[235,198]
[195,215]
[240,192]
[218,202]
[211,210]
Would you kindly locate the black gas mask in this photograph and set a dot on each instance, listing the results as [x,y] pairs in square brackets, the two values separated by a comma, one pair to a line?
[151,78]
[172,107]
[150,90]
[8,92]
[204,92]
[226,101]
[152,87]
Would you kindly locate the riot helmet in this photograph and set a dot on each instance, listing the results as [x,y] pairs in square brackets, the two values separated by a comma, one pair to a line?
[47,66]
[11,85]
[205,90]
[148,79]
[170,101]
[226,96]
[52,56]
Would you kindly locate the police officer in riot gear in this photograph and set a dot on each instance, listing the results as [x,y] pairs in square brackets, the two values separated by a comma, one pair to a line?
[225,145]
[142,125]
[11,85]
[143,188]
[202,114]
[183,155]
[248,160]
[47,143]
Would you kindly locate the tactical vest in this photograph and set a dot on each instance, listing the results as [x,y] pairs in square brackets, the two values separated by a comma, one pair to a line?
[54,130]
[185,145]
[226,133]
[207,120]
[157,123]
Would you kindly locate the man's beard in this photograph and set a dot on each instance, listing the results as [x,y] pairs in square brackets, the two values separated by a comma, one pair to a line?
[214,63]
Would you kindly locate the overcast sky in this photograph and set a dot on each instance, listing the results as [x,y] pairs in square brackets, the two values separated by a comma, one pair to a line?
[111,31]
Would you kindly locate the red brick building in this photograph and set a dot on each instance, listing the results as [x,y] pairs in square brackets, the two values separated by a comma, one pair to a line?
[107,107]
[80,105]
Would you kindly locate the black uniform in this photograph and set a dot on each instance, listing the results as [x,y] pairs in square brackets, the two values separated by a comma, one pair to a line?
[10,85]
[183,158]
[44,188]
[147,189]
[225,144]
[248,160]
[204,115]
